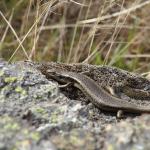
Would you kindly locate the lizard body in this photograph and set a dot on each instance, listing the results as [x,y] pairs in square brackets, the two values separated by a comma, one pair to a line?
[105,76]
[98,96]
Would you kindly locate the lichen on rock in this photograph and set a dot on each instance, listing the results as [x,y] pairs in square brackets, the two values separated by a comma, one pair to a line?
[35,114]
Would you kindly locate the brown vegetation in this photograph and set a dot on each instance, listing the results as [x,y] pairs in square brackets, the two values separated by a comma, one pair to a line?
[112,32]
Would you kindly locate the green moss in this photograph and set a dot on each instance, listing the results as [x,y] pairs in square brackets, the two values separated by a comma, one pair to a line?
[110,147]
[57,115]
[20,78]
[35,136]
[25,132]
[22,144]
[11,126]
[1,73]
[22,137]
[5,119]
[3,96]
[20,90]
[76,140]
[40,110]
[10,79]
[14,148]
[54,118]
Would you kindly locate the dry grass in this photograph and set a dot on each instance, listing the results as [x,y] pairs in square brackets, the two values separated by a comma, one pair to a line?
[98,32]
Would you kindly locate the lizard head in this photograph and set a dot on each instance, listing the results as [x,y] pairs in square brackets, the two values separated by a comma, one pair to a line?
[58,75]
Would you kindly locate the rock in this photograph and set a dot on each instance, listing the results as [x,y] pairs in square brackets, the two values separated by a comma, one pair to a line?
[129,134]
[35,114]
[23,86]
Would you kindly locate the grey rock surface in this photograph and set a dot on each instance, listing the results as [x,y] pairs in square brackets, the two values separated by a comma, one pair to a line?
[35,114]
[129,134]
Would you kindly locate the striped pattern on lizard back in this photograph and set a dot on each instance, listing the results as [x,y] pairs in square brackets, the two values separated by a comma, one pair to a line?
[99,96]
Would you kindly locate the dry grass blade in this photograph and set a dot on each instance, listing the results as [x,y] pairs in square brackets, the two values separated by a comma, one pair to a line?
[129,10]
[78,3]
[74,35]
[6,30]
[81,35]
[114,35]
[12,29]
[35,33]
[122,50]
[38,19]
[109,26]
[136,56]
[101,10]
[38,31]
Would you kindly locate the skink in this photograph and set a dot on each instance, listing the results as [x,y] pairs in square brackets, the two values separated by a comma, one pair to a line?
[130,84]
[98,96]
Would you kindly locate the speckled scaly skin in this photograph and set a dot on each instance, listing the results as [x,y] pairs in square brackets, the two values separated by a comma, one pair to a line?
[98,96]
[128,83]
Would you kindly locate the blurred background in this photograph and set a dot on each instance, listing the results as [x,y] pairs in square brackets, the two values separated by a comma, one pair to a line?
[102,32]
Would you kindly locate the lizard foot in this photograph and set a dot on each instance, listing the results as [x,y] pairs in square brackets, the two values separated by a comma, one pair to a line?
[65,85]
[120,114]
